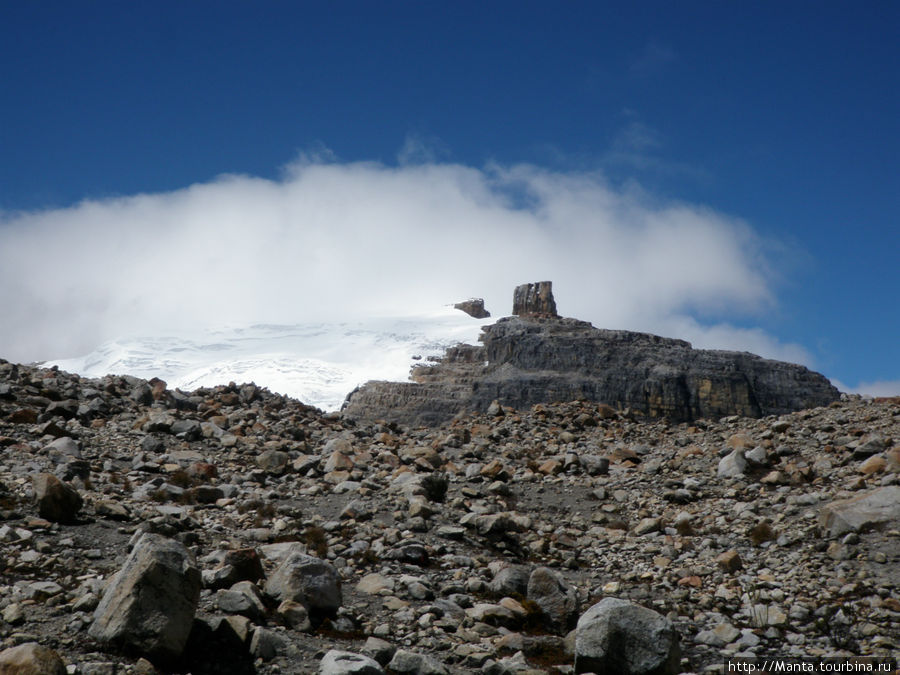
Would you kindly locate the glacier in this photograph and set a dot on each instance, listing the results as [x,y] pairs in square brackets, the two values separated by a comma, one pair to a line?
[318,363]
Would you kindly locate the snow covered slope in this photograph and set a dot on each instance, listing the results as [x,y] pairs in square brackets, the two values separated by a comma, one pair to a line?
[317,363]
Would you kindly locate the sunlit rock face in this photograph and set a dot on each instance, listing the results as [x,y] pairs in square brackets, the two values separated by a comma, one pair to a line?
[537,357]
[534,300]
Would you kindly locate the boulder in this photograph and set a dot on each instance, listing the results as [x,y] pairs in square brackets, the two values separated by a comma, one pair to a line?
[312,582]
[188,430]
[474,307]
[617,636]
[412,663]
[554,596]
[242,598]
[273,461]
[31,658]
[732,465]
[510,581]
[380,650]
[241,564]
[142,394]
[336,662]
[149,605]
[56,501]
[873,510]
[266,644]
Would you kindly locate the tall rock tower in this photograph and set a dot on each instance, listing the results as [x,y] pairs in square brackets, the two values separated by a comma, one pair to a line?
[535,300]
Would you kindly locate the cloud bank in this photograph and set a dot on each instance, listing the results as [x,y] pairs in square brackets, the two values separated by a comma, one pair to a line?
[332,240]
[877,388]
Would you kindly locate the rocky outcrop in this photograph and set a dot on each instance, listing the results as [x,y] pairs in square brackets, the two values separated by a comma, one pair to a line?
[528,360]
[876,509]
[474,307]
[535,300]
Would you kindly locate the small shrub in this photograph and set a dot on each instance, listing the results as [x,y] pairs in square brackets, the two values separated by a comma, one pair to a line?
[761,532]
[435,485]
[367,558]
[8,502]
[187,498]
[837,624]
[160,496]
[181,479]
[316,540]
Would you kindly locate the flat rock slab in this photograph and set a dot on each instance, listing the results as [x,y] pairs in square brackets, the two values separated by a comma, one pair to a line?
[149,604]
[873,510]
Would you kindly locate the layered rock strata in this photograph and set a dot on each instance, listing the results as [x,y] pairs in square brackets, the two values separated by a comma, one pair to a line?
[530,359]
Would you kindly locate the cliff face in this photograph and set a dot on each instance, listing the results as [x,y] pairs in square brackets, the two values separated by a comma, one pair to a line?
[534,359]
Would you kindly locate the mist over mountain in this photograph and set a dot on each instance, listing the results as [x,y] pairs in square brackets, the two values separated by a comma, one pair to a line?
[338,241]
[318,363]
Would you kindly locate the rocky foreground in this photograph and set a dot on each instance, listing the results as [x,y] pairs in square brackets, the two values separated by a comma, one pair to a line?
[230,530]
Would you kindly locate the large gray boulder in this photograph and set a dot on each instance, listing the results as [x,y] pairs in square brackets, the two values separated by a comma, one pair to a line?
[149,605]
[312,582]
[337,662]
[617,636]
[873,510]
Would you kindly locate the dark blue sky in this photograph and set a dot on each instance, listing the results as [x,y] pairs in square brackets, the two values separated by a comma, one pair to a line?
[783,114]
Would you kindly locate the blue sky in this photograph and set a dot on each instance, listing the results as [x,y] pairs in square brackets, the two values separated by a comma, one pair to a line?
[775,118]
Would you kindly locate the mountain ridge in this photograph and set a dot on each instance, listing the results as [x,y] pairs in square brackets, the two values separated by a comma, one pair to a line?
[536,356]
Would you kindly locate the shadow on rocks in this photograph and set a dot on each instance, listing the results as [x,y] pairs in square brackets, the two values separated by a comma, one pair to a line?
[217,651]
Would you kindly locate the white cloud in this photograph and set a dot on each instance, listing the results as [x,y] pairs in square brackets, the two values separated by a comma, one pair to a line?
[876,388]
[726,336]
[419,148]
[339,240]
